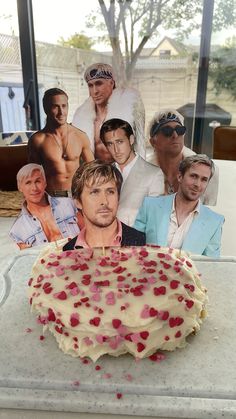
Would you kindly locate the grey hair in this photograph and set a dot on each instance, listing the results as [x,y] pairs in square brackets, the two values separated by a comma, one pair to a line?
[164,115]
[190,161]
[27,170]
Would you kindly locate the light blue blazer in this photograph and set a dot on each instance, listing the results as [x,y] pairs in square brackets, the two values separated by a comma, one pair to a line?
[203,237]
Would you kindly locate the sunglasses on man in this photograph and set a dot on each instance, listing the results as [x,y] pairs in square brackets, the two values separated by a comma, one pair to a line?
[168,131]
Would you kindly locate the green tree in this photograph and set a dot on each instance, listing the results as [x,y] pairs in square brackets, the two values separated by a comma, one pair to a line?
[222,68]
[78,40]
[130,24]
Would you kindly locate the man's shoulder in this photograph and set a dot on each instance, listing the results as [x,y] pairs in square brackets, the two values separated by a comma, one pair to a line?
[160,200]
[149,167]
[78,133]
[38,137]
[210,214]
[132,237]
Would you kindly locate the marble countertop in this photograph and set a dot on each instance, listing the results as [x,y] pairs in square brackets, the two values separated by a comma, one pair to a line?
[198,381]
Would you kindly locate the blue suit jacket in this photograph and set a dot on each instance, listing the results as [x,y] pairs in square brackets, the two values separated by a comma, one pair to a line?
[203,237]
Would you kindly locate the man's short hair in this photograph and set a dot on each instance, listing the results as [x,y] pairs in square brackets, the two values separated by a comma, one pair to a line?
[27,170]
[113,125]
[94,171]
[48,97]
[163,117]
[190,161]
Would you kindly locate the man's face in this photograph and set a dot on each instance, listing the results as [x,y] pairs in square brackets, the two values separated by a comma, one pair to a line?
[99,202]
[194,182]
[172,145]
[58,109]
[100,90]
[33,187]
[120,146]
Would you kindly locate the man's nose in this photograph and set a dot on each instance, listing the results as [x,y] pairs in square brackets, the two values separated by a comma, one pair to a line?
[104,199]
[116,147]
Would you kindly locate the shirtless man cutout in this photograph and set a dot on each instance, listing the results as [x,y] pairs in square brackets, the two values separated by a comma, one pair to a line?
[59,146]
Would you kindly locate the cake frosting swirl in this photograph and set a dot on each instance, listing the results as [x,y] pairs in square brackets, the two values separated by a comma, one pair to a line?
[132,299]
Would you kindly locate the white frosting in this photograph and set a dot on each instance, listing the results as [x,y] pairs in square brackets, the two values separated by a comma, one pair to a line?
[133,299]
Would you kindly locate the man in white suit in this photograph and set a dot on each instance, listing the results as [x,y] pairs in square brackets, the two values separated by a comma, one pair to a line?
[180,220]
[140,178]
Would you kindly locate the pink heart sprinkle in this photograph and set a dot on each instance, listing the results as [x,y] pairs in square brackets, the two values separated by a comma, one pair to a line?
[135,337]
[60,270]
[99,339]
[88,341]
[74,291]
[145,313]
[96,297]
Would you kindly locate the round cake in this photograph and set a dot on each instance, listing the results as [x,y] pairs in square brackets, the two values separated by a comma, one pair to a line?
[130,299]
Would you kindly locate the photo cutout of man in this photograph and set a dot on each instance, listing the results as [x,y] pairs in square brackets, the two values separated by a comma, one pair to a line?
[140,178]
[180,220]
[106,101]
[59,146]
[43,218]
[95,189]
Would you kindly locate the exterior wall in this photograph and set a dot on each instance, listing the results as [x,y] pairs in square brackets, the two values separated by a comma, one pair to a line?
[161,82]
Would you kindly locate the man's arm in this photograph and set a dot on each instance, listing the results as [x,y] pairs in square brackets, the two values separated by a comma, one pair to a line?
[87,154]
[214,245]
[34,149]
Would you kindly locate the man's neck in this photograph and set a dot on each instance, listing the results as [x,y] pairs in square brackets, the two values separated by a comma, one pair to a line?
[100,236]
[130,158]
[55,128]
[39,207]
[183,206]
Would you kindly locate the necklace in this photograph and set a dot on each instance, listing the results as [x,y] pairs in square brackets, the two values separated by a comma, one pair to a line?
[64,154]
[169,187]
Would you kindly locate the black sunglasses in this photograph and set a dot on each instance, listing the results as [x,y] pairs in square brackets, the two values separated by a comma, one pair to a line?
[168,131]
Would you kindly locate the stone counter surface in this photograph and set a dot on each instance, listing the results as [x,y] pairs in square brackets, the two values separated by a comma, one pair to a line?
[196,382]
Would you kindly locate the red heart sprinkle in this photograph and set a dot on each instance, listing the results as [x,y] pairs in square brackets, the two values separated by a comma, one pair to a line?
[143,253]
[74,319]
[163,277]
[119,395]
[95,321]
[178,334]
[159,291]
[144,335]
[189,303]
[116,323]
[174,284]
[60,295]
[153,312]
[51,315]
[59,329]
[120,278]
[48,290]
[161,255]
[140,346]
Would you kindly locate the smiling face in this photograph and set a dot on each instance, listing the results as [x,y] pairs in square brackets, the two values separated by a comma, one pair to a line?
[99,202]
[100,90]
[33,187]
[58,109]
[172,145]
[193,183]
[120,146]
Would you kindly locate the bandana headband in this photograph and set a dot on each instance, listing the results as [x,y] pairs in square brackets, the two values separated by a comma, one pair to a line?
[170,117]
[99,71]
